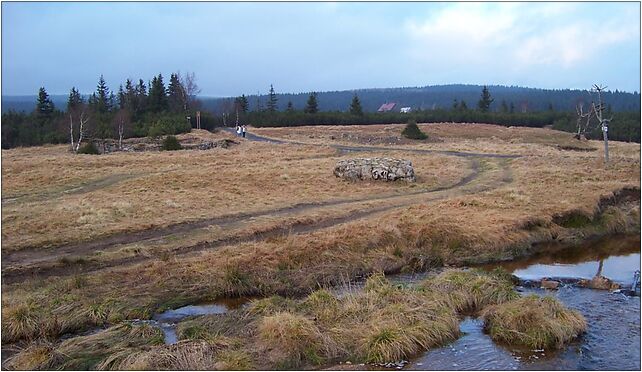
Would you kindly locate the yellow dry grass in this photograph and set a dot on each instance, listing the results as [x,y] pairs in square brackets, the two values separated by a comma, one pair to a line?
[154,189]
[511,204]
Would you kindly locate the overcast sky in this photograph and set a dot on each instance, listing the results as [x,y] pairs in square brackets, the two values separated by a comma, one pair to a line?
[237,48]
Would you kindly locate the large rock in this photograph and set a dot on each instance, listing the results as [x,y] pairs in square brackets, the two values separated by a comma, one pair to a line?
[599,282]
[380,169]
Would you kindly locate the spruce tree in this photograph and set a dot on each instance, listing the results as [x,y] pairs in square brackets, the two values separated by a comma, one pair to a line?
[140,101]
[485,100]
[455,105]
[244,104]
[157,98]
[312,107]
[271,103]
[412,131]
[175,94]
[44,106]
[74,100]
[290,107]
[355,106]
[101,99]
[463,106]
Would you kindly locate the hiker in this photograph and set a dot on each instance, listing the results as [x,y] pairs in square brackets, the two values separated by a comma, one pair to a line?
[238,130]
[243,129]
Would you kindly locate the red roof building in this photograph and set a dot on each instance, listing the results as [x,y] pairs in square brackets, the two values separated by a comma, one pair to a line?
[386,107]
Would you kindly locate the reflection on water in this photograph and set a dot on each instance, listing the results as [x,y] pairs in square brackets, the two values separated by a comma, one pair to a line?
[166,321]
[612,341]
[616,258]
[218,307]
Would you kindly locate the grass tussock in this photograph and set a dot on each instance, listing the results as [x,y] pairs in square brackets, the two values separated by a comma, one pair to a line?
[38,356]
[471,291]
[102,350]
[186,356]
[535,322]
[292,339]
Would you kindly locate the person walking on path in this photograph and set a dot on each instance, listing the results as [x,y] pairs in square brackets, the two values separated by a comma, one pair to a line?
[243,129]
[238,130]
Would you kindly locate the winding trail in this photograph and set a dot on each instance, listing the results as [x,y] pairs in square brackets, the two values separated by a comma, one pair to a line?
[73,258]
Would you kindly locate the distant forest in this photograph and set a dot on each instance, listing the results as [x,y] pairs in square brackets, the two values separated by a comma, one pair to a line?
[137,109]
[440,97]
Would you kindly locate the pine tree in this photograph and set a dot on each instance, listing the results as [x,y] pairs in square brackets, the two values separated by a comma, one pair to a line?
[271,103]
[463,106]
[74,100]
[412,131]
[244,103]
[312,107]
[140,101]
[157,99]
[485,100]
[122,97]
[101,99]
[290,107]
[45,106]
[175,94]
[355,106]
[455,105]
[512,108]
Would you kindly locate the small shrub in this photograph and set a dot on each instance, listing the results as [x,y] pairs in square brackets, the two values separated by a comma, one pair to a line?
[89,148]
[170,143]
[412,131]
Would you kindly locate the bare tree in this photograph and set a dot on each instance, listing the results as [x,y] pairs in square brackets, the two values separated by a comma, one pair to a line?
[121,121]
[189,89]
[82,118]
[583,120]
[604,122]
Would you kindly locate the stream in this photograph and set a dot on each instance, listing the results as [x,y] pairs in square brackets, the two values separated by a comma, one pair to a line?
[611,342]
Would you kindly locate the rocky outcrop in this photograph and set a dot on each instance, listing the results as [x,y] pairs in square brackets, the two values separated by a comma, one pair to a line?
[378,169]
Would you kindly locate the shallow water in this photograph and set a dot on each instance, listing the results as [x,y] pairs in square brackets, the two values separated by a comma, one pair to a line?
[619,256]
[166,321]
[612,341]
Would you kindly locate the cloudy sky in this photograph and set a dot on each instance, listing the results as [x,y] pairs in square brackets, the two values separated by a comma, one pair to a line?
[237,48]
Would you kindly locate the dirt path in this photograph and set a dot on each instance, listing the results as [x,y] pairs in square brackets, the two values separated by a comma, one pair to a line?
[79,189]
[42,262]
[32,265]
[346,148]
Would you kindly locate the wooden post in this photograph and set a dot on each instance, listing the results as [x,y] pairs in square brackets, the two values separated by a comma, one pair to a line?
[198,119]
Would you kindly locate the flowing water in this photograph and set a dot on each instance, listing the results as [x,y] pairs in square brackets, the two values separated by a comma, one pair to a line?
[612,341]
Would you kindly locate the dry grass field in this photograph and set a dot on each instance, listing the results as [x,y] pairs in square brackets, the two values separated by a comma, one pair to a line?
[95,240]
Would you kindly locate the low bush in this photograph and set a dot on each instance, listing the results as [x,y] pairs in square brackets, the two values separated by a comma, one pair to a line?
[412,131]
[89,148]
[170,143]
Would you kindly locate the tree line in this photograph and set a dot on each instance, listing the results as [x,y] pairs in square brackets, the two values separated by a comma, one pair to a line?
[624,127]
[137,109]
